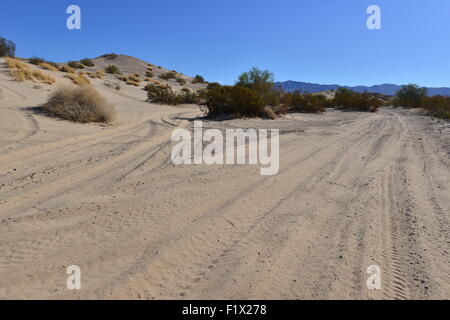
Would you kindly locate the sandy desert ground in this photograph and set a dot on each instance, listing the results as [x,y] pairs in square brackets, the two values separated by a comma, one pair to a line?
[354,189]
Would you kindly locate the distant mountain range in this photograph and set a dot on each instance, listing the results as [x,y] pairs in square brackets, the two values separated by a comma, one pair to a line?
[387,88]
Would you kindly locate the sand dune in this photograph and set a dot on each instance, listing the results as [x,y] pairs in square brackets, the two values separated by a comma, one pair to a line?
[354,189]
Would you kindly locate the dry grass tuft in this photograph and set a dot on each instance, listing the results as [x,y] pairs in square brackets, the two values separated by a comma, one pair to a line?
[79,104]
[20,71]
[66,68]
[78,79]
[96,75]
[48,66]
[132,79]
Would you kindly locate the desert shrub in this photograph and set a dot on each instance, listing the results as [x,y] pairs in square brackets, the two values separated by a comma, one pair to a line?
[437,106]
[20,71]
[233,101]
[112,69]
[134,78]
[262,82]
[110,56]
[307,103]
[187,96]
[78,79]
[7,48]
[48,66]
[198,79]
[149,74]
[181,81]
[79,104]
[409,96]
[351,100]
[158,93]
[168,75]
[161,94]
[36,61]
[66,68]
[87,62]
[75,65]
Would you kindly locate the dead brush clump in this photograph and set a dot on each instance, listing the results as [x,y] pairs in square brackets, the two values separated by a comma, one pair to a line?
[96,75]
[79,104]
[66,68]
[132,79]
[20,71]
[48,66]
[78,79]
[133,83]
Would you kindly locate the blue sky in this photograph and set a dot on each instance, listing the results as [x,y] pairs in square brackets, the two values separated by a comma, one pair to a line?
[323,41]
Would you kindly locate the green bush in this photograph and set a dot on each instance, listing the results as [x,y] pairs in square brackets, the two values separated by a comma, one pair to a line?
[188,96]
[262,82]
[87,62]
[409,96]
[351,100]
[307,103]
[198,79]
[233,101]
[112,69]
[7,48]
[166,95]
[161,94]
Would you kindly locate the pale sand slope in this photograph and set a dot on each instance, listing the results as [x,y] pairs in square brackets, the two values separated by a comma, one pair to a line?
[354,189]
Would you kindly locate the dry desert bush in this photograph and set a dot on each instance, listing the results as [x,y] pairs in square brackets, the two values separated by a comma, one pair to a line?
[87,62]
[78,79]
[168,75]
[66,68]
[112,69]
[132,79]
[48,66]
[96,75]
[79,104]
[20,71]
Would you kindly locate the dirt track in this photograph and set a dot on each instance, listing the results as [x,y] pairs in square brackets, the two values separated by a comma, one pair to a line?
[353,190]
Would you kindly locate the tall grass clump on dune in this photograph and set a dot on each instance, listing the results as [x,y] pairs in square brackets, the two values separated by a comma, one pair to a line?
[78,79]
[48,66]
[79,104]
[66,68]
[20,71]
